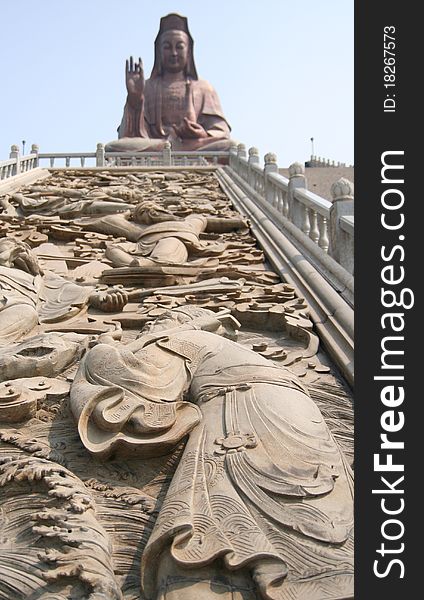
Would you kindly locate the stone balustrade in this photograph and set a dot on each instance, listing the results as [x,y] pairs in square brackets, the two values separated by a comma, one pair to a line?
[18,164]
[67,159]
[330,225]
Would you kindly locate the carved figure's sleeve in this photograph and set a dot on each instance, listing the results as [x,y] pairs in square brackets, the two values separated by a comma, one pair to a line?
[112,385]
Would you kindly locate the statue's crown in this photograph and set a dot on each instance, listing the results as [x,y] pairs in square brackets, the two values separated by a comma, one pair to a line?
[173,21]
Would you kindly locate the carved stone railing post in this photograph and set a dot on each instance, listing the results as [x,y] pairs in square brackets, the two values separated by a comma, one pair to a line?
[241,151]
[14,154]
[253,160]
[35,150]
[341,243]
[167,154]
[241,154]
[297,210]
[270,166]
[232,161]
[100,155]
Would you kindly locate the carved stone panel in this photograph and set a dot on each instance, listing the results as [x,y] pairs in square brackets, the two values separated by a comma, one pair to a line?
[170,427]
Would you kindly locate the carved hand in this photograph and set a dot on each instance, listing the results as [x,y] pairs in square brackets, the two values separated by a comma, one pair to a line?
[110,300]
[134,79]
[221,322]
[190,130]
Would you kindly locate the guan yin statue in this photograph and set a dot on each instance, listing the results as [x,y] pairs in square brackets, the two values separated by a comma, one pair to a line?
[174,104]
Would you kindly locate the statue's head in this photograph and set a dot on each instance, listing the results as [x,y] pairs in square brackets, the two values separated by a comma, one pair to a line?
[174,48]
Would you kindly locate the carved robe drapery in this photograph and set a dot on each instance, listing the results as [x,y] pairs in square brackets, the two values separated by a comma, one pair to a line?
[25,300]
[261,483]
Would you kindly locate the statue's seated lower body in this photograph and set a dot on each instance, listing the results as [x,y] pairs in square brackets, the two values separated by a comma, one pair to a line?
[138,144]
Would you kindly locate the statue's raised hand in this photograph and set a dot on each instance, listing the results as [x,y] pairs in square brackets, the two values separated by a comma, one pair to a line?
[134,79]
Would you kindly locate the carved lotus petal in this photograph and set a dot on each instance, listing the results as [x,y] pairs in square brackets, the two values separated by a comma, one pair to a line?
[342,188]
[296,169]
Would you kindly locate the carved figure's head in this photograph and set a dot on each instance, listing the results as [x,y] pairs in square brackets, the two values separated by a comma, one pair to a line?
[149,212]
[175,317]
[190,313]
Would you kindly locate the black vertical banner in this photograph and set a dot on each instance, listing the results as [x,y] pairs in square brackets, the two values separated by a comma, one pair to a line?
[389,241]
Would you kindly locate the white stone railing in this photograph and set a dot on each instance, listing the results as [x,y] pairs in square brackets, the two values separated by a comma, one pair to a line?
[311,214]
[101,158]
[67,159]
[7,168]
[19,164]
[326,286]
[167,157]
[329,225]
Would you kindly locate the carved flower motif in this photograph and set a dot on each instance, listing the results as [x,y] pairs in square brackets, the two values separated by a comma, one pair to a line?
[296,169]
[270,158]
[236,442]
[343,188]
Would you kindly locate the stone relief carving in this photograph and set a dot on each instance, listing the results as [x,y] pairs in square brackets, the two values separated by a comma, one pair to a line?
[282,472]
[168,415]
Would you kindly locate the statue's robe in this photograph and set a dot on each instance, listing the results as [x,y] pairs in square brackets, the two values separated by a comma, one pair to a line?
[261,484]
[164,106]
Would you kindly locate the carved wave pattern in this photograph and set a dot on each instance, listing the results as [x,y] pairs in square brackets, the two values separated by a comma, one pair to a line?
[64,543]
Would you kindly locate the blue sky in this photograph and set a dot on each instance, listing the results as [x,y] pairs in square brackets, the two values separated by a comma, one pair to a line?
[282,69]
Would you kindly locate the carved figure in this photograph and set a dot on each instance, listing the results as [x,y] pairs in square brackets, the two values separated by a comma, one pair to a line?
[47,354]
[27,297]
[50,204]
[160,236]
[262,493]
[174,104]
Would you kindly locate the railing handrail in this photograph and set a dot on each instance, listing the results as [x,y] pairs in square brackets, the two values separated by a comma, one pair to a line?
[66,155]
[12,161]
[257,168]
[6,163]
[194,154]
[347,223]
[313,201]
[279,180]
